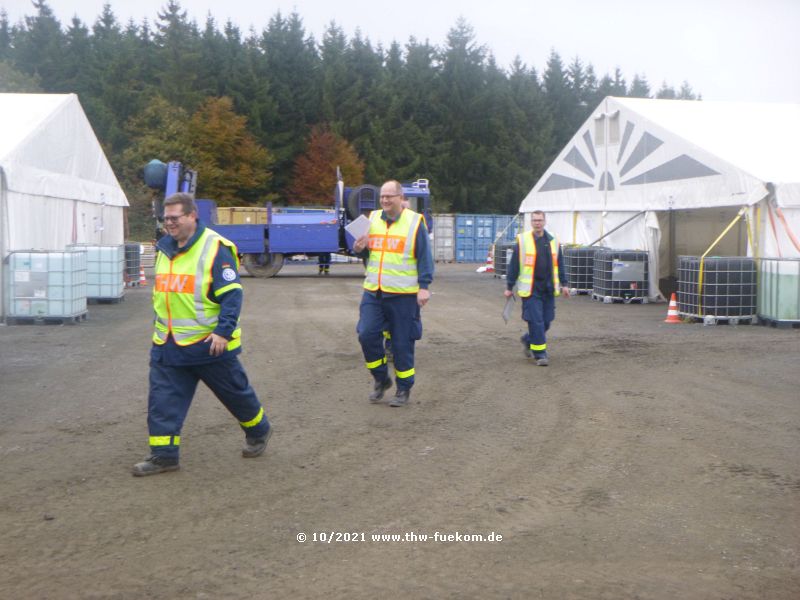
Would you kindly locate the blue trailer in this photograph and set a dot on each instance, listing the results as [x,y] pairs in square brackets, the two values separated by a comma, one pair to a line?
[263,248]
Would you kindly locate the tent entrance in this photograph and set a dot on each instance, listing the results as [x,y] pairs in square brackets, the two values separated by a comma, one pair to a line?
[690,233]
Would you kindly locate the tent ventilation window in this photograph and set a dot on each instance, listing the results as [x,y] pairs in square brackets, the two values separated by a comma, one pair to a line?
[613,129]
[600,130]
[601,134]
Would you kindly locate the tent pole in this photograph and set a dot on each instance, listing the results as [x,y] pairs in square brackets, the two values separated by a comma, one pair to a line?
[3,241]
[672,242]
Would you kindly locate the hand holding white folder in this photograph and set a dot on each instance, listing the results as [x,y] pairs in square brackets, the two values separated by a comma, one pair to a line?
[507,308]
[359,227]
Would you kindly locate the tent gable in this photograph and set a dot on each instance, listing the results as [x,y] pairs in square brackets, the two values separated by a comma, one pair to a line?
[578,167]
[627,156]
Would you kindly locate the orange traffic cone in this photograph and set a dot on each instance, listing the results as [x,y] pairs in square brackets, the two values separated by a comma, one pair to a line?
[672,311]
[490,260]
[142,278]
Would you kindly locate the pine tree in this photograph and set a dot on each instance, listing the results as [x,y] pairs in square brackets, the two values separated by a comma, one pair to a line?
[639,87]
[39,48]
[666,92]
[686,92]
[179,56]
[5,36]
[291,64]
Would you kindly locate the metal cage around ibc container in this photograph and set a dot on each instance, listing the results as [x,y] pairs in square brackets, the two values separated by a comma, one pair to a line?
[620,276]
[502,256]
[579,268]
[133,251]
[725,291]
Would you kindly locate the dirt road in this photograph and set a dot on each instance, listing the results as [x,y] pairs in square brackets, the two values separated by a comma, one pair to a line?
[648,461]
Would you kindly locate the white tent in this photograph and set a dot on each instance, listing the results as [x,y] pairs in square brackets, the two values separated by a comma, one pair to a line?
[56,186]
[685,168]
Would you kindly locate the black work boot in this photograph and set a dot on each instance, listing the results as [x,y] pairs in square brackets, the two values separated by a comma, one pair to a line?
[255,446]
[526,347]
[153,465]
[400,398]
[380,387]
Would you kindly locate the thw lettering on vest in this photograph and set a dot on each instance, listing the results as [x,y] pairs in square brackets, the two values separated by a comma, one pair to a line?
[181,284]
[393,243]
[530,259]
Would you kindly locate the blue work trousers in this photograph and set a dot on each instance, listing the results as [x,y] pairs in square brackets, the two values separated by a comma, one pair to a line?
[399,315]
[172,389]
[538,310]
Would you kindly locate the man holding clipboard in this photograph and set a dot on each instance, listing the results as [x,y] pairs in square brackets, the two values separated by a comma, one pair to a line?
[399,272]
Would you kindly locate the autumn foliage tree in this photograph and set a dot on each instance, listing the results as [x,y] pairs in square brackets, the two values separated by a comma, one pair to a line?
[233,169]
[314,173]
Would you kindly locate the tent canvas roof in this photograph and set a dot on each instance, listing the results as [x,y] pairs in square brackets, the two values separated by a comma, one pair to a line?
[48,148]
[758,138]
[635,154]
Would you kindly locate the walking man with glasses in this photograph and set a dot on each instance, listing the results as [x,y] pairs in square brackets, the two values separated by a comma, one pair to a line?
[399,272]
[197,299]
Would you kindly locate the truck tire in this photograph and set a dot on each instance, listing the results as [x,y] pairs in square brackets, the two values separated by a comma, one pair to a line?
[263,265]
[365,192]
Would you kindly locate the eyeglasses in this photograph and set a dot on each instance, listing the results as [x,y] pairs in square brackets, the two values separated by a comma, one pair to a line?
[390,196]
[171,219]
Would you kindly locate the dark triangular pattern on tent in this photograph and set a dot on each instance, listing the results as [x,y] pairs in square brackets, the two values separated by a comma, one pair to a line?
[682,167]
[560,182]
[646,146]
[575,158]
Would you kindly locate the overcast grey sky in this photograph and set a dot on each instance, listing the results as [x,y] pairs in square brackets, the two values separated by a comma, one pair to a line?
[741,50]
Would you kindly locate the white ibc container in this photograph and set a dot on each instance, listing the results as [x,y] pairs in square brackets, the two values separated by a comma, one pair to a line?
[46,284]
[779,290]
[105,270]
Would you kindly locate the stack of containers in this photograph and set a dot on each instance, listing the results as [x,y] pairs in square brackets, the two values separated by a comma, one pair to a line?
[45,285]
[105,271]
[779,291]
[728,288]
[620,275]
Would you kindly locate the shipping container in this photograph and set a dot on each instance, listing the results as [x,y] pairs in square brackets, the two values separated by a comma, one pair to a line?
[443,238]
[475,235]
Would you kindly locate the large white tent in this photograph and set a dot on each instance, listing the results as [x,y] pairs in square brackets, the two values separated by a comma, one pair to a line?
[56,186]
[680,171]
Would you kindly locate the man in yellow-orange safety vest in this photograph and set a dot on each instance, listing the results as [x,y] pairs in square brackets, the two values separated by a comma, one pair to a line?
[399,271]
[535,269]
[197,298]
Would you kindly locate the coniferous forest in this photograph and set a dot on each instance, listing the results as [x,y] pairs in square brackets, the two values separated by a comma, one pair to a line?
[267,115]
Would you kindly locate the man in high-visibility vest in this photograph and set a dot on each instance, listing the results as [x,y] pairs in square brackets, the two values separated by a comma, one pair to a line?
[535,269]
[399,271]
[197,298]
